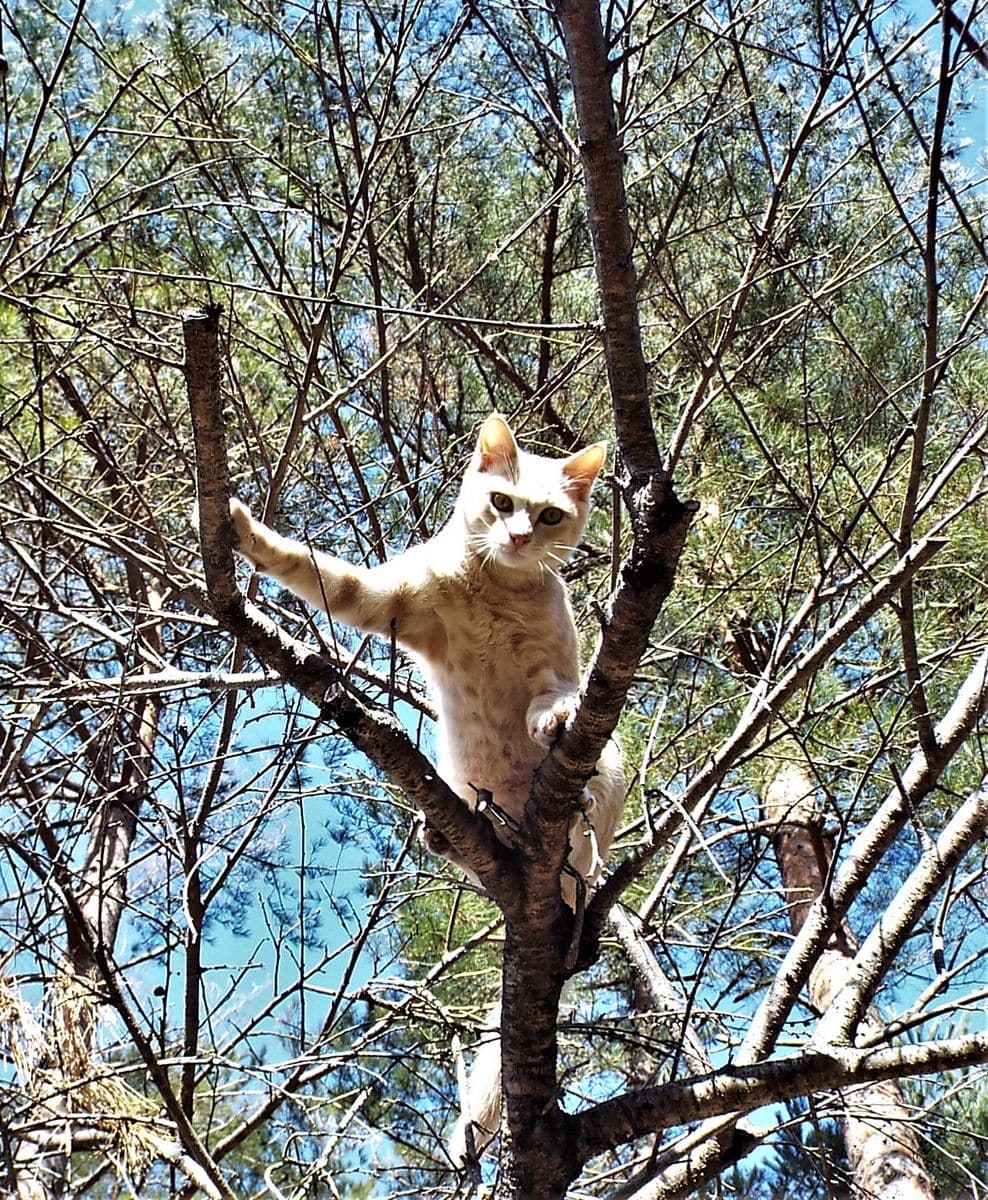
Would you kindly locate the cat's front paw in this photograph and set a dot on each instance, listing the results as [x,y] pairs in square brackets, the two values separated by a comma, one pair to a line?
[252,539]
[442,847]
[546,723]
[243,528]
[243,525]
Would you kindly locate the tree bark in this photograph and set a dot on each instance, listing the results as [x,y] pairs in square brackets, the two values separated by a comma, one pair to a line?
[879,1135]
[602,157]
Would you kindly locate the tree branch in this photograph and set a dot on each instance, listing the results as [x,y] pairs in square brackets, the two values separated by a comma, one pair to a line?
[909,905]
[744,1088]
[917,781]
[610,230]
[661,523]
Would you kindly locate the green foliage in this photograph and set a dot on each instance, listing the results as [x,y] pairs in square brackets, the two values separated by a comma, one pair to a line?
[806,1159]
[958,1150]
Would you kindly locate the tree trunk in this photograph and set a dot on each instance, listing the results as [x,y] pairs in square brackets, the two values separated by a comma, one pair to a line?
[64,1081]
[881,1142]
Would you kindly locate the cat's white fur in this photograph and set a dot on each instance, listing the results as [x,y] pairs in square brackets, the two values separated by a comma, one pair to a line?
[483,610]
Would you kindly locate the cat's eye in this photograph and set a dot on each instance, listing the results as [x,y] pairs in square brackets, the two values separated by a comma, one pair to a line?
[551,515]
[502,503]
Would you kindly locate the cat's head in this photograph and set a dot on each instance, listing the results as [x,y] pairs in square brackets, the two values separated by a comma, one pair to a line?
[524,512]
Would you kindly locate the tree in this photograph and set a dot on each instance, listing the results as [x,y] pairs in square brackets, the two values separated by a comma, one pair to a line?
[398,210]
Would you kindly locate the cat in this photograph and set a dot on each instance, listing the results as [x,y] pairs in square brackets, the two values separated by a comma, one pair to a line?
[482,608]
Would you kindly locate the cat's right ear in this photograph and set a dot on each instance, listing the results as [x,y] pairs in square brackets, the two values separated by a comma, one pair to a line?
[582,468]
[496,445]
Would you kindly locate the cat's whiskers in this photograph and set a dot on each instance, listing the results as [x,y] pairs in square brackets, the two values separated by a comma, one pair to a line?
[544,566]
[562,559]
[488,555]
[481,546]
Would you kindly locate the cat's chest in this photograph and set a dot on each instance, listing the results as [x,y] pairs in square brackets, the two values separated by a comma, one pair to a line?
[480,633]
[497,647]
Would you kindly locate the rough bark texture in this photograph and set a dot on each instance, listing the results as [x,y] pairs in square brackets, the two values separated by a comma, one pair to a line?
[610,230]
[537,1151]
[744,1088]
[882,1146]
[661,524]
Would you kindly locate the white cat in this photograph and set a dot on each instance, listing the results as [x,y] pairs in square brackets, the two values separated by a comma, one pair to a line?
[483,610]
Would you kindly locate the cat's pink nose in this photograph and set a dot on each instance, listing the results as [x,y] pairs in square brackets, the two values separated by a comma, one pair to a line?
[521,539]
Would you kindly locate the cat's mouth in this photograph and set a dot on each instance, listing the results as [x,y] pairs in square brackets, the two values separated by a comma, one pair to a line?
[512,555]
[525,557]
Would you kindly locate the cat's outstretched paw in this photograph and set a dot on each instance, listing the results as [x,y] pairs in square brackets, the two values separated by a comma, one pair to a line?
[251,538]
[546,724]
[243,527]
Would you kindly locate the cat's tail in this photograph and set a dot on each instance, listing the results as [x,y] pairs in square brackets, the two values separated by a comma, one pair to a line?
[480,1100]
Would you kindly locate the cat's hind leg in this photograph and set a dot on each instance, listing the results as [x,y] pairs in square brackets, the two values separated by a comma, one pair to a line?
[480,1101]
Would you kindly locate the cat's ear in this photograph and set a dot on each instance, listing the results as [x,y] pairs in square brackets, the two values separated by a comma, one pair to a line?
[581,469]
[496,445]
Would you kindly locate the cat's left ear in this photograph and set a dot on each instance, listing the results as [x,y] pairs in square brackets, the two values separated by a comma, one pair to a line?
[582,468]
[495,445]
